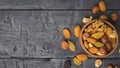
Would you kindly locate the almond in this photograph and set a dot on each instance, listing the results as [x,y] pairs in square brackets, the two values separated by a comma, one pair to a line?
[114,17]
[95,9]
[66,33]
[103,17]
[64,45]
[102,6]
[82,57]
[77,31]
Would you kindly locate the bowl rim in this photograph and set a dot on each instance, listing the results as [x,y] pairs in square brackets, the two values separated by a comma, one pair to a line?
[82,44]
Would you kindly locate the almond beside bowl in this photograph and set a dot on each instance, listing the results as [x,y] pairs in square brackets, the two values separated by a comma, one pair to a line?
[99,38]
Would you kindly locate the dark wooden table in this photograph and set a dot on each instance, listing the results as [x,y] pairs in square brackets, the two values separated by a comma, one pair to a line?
[31,32]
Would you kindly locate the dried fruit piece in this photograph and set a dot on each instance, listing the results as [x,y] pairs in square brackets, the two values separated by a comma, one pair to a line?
[114,17]
[98,35]
[64,45]
[102,6]
[103,17]
[71,46]
[86,44]
[77,61]
[77,31]
[66,33]
[86,20]
[109,66]
[85,36]
[113,41]
[100,54]
[82,57]
[109,31]
[95,9]
[67,64]
[98,63]
[98,44]
[93,50]
[91,40]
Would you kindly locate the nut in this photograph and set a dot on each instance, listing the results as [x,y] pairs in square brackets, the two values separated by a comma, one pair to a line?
[93,50]
[98,63]
[67,64]
[77,31]
[85,36]
[66,33]
[91,40]
[102,6]
[86,20]
[103,50]
[64,45]
[86,44]
[82,57]
[95,9]
[103,17]
[71,46]
[109,46]
[114,17]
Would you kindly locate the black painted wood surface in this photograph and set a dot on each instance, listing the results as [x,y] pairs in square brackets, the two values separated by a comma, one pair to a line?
[31,32]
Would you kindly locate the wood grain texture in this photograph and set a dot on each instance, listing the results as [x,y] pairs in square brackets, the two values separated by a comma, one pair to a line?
[38,34]
[56,4]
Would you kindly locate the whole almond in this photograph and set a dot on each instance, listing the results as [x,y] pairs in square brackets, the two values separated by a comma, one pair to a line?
[66,33]
[114,17]
[95,9]
[77,31]
[64,45]
[102,6]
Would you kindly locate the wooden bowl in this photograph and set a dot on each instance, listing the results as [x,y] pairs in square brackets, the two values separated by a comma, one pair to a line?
[81,39]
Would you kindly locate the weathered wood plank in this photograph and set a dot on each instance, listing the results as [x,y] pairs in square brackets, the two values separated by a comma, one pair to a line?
[55,4]
[52,63]
[38,34]
[11,63]
[59,63]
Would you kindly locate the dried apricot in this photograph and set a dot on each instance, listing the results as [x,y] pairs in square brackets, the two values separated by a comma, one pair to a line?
[91,40]
[64,45]
[77,31]
[82,57]
[71,46]
[77,61]
[66,33]
[93,50]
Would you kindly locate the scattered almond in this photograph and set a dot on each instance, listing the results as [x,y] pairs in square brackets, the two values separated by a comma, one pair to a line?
[103,17]
[86,44]
[95,9]
[82,57]
[66,33]
[64,45]
[114,17]
[71,46]
[102,6]
[77,31]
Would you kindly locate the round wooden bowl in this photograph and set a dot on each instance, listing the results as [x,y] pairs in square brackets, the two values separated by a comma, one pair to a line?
[81,39]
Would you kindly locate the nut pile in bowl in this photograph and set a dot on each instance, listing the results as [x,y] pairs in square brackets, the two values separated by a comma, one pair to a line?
[99,38]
